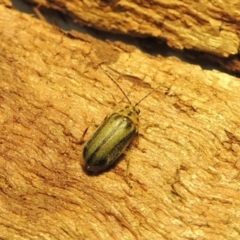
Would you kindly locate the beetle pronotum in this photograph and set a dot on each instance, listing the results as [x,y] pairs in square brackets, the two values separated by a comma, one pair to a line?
[113,136]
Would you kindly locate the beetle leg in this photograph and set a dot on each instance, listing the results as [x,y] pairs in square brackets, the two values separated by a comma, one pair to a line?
[81,141]
[127,168]
[126,175]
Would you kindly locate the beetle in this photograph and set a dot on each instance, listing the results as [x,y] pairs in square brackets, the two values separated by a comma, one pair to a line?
[113,136]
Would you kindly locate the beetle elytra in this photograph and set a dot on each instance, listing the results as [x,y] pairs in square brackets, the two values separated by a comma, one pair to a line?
[112,137]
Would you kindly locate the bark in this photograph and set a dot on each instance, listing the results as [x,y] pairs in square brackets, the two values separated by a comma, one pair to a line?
[184,170]
[210,27]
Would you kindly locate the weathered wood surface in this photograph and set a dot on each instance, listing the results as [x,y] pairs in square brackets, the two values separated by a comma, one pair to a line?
[206,26]
[184,171]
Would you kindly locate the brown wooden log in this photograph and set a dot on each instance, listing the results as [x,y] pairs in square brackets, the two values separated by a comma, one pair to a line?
[211,27]
[184,171]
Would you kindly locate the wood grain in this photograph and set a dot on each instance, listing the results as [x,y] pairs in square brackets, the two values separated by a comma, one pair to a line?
[207,26]
[184,172]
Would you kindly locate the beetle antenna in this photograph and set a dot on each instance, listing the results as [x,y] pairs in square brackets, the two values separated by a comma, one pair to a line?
[153,90]
[118,87]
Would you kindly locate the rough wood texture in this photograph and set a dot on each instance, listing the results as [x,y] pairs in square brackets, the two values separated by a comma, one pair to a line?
[208,26]
[184,170]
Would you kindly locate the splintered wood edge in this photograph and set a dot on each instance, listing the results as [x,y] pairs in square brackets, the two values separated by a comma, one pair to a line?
[199,26]
[187,158]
